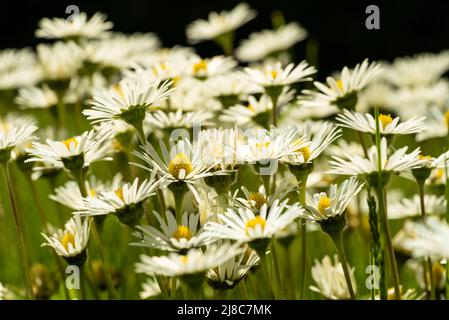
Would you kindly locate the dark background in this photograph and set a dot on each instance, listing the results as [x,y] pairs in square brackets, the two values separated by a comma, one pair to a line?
[407,27]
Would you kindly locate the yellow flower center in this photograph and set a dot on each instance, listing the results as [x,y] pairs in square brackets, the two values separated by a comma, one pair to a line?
[340,84]
[305,153]
[118,89]
[92,192]
[178,163]
[385,119]
[439,174]
[446,118]
[323,204]
[184,259]
[119,193]
[253,223]
[182,232]
[274,74]
[262,145]
[251,107]
[258,198]
[200,66]
[67,239]
[69,141]
[423,157]
[175,80]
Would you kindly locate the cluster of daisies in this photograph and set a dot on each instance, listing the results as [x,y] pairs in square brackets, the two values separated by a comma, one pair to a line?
[212,165]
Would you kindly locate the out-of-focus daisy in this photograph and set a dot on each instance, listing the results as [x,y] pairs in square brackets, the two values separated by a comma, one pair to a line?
[268,43]
[410,207]
[330,280]
[329,210]
[256,112]
[181,167]
[168,121]
[190,267]
[71,242]
[387,124]
[229,274]
[35,97]
[430,238]
[150,288]
[127,101]
[341,92]
[77,26]
[355,165]
[15,132]
[204,68]
[376,95]
[75,152]
[125,202]
[18,69]
[70,196]
[59,62]
[419,70]
[173,236]
[243,225]
[219,24]
[436,124]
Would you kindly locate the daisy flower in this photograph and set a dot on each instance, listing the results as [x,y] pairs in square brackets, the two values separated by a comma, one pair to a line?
[190,267]
[411,207]
[182,167]
[266,146]
[173,236]
[341,92]
[229,88]
[36,98]
[256,111]
[229,274]
[326,209]
[126,202]
[255,200]
[70,196]
[329,279]
[59,62]
[219,24]
[274,75]
[436,124]
[202,69]
[71,242]
[243,225]
[15,132]
[355,165]
[419,70]
[306,154]
[75,152]
[387,124]
[270,42]
[128,101]
[430,238]
[168,121]
[18,69]
[78,26]
[150,288]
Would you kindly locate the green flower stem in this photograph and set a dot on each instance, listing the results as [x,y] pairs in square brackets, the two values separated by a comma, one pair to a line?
[303,235]
[174,284]
[274,111]
[338,241]
[226,42]
[19,230]
[61,113]
[243,290]
[381,199]
[428,265]
[44,223]
[266,183]
[140,132]
[179,204]
[52,182]
[446,193]
[280,288]
[82,284]
[362,143]
[266,273]
[79,177]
